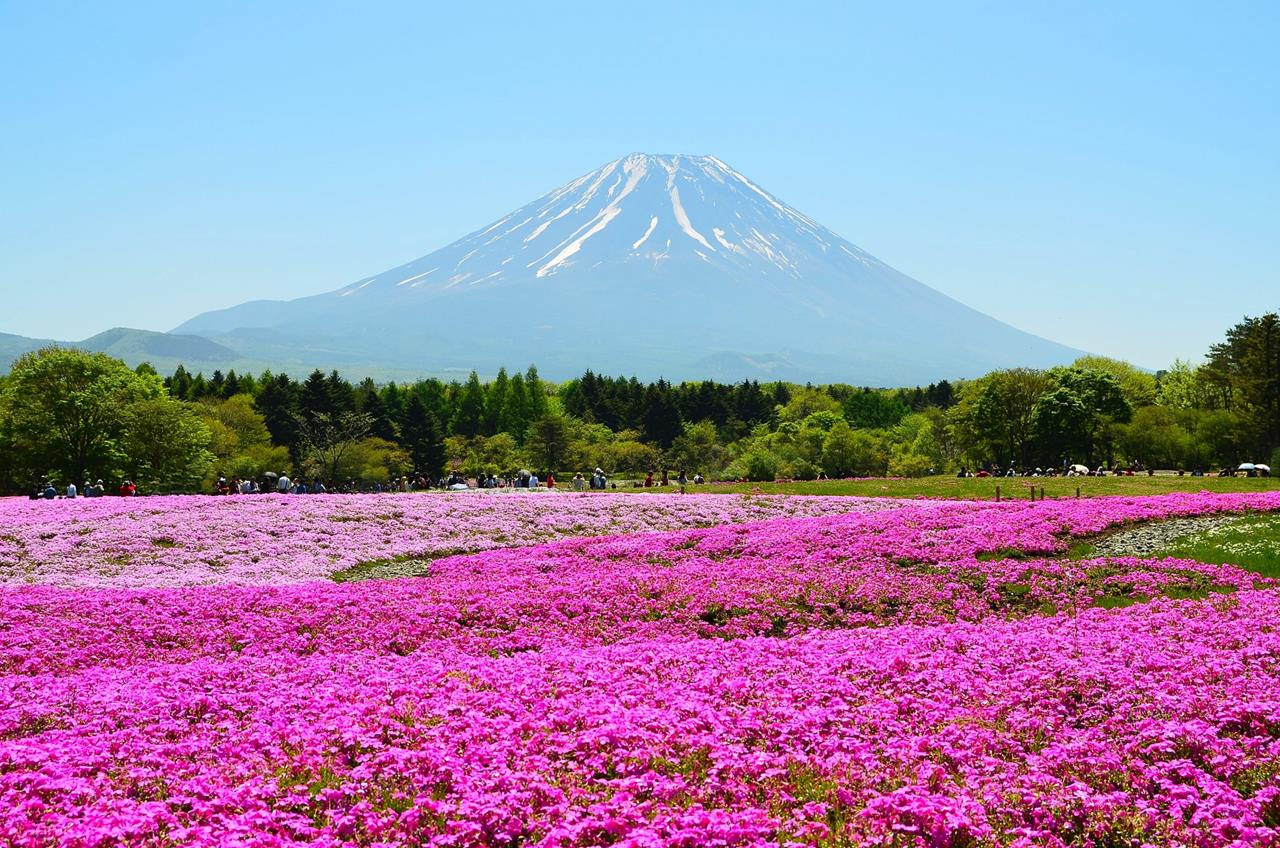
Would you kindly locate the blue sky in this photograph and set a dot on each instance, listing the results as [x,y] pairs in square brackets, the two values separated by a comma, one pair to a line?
[1106,175]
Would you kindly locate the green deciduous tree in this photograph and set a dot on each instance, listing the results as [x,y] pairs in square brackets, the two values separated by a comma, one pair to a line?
[1138,387]
[848,452]
[240,441]
[326,438]
[165,445]
[873,409]
[66,412]
[1060,424]
[698,449]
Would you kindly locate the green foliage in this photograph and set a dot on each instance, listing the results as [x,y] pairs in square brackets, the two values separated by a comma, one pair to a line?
[823,421]
[805,401]
[876,410]
[802,469]
[373,459]
[165,445]
[66,413]
[547,443]
[495,399]
[1246,365]
[1161,437]
[422,437]
[1138,387]
[240,442]
[1096,411]
[911,465]
[627,455]
[326,439]
[853,453]
[759,465]
[1060,423]
[537,394]
[469,417]
[698,449]
[516,410]
[661,421]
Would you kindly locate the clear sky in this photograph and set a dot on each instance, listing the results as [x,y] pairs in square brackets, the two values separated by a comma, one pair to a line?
[1103,174]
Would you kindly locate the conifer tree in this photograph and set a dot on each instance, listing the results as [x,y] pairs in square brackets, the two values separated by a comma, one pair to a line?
[469,415]
[537,393]
[422,437]
[495,397]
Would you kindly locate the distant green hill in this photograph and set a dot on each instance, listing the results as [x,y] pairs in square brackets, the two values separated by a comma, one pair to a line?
[163,350]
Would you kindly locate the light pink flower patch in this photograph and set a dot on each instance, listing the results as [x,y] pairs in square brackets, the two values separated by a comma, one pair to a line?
[891,678]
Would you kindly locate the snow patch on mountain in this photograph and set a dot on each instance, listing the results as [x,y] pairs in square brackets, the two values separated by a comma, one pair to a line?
[670,242]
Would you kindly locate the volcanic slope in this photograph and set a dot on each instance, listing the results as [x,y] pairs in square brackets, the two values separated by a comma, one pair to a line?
[654,265]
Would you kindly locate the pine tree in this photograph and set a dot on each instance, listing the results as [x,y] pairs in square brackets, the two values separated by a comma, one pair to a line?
[342,396]
[179,384]
[661,416]
[421,436]
[537,393]
[469,415]
[198,388]
[515,412]
[314,396]
[394,400]
[370,403]
[277,402]
[495,397]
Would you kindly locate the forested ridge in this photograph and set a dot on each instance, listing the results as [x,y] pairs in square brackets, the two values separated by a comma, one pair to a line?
[71,415]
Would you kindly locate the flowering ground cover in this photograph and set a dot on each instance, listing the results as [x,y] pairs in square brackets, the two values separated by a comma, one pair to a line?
[933,674]
[270,539]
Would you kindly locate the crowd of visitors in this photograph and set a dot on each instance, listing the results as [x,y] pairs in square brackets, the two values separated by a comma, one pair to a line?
[523,479]
[1136,469]
[48,491]
[531,480]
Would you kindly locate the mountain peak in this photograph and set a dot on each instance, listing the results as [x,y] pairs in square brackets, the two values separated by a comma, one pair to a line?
[644,240]
[642,208]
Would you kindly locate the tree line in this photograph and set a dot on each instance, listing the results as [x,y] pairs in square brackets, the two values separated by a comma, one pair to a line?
[69,415]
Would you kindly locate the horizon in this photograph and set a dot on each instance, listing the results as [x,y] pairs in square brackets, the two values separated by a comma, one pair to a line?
[1047,172]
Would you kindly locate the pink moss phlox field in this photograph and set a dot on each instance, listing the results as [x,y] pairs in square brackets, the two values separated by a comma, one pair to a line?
[574,602]
[272,539]
[930,674]
[1153,725]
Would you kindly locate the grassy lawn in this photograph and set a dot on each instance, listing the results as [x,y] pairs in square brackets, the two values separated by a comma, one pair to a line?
[1252,542]
[984,489]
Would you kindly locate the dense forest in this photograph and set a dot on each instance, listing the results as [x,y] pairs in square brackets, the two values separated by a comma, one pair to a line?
[70,415]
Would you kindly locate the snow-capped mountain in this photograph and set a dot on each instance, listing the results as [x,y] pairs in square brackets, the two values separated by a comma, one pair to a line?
[656,265]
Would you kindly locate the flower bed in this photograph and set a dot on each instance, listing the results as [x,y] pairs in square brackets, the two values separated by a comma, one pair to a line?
[932,674]
[1158,725]
[273,539]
